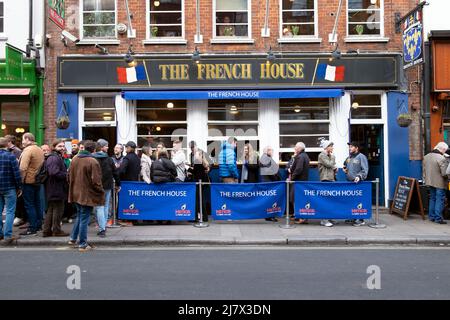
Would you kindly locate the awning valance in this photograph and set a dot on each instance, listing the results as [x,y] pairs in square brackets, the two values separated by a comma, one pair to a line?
[231,94]
[15,92]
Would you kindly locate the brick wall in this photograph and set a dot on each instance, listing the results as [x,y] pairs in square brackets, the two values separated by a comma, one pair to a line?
[138,8]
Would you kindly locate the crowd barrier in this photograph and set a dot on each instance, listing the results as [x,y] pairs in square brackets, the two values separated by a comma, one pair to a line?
[310,200]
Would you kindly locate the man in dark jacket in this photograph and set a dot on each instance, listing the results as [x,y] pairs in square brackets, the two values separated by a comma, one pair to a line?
[109,175]
[55,191]
[130,168]
[299,171]
[162,169]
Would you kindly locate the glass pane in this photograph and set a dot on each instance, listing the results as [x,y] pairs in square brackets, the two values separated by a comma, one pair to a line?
[99,18]
[367,99]
[99,115]
[286,156]
[165,5]
[363,4]
[298,16]
[99,102]
[231,17]
[165,31]
[89,5]
[310,142]
[214,148]
[232,31]
[99,5]
[232,130]
[162,129]
[298,30]
[165,18]
[366,113]
[1,25]
[156,110]
[298,4]
[1,9]
[153,141]
[99,32]
[304,109]
[233,110]
[367,29]
[304,128]
[231,4]
[15,119]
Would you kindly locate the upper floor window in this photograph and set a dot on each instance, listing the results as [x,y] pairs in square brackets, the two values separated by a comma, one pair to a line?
[2,17]
[232,19]
[166,18]
[365,18]
[98,19]
[298,18]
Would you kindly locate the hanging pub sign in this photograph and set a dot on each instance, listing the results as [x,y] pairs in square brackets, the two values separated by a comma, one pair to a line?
[56,12]
[413,40]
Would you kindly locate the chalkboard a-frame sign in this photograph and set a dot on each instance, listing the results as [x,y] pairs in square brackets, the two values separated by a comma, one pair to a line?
[407,197]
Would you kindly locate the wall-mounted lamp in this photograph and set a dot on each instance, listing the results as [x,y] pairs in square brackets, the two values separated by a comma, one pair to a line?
[270,55]
[355,105]
[335,54]
[196,55]
[170,105]
[156,3]
[297,109]
[3,126]
[129,58]
[102,50]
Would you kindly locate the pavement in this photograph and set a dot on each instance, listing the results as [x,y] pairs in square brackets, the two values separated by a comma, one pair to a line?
[413,231]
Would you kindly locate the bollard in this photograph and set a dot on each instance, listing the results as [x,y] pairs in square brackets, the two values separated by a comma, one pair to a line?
[114,208]
[200,223]
[288,224]
[376,225]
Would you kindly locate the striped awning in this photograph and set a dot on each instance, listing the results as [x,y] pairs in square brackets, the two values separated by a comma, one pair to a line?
[15,92]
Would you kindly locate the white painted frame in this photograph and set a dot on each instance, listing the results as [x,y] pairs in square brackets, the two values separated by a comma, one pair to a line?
[313,38]
[222,39]
[366,37]
[3,34]
[96,40]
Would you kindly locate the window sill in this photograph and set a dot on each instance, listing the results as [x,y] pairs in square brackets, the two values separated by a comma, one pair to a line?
[232,40]
[299,40]
[99,41]
[366,39]
[165,41]
[3,38]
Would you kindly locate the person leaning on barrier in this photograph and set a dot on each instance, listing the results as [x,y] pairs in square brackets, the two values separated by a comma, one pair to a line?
[356,167]
[146,164]
[162,169]
[268,168]
[435,168]
[327,169]
[130,168]
[299,171]
[249,165]
[228,170]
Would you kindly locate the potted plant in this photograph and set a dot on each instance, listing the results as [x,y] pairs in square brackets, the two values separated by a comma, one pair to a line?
[295,30]
[62,122]
[404,119]
[359,29]
[154,31]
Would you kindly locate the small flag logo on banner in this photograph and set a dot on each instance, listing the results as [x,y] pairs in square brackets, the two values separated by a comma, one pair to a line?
[129,75]
[330,73]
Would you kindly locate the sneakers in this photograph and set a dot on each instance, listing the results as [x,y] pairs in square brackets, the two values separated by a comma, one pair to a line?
[18,222]
[359,223]
[9,241]
[28,233]
[85,248]
[273,219]
[441,222]
[72,242]
[101,234]
[326,223]
[60,234]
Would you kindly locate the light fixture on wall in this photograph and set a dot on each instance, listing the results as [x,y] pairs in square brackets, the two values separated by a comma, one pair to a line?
[170,105]
[20,130]
[129,58]
[234,110]
[297,109]
[156,3]
[270,56]
[3,126]
[373,1]
[158,128]
[196,55]
[355,105]
[107,117]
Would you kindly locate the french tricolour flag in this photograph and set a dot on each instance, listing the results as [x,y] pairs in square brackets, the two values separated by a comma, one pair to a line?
[330,73]
[129,75]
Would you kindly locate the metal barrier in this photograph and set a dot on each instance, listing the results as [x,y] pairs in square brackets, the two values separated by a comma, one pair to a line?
[115,201]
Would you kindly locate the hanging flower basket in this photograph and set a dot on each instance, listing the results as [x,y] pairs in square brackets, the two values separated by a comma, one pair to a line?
[404,119]
[62,122]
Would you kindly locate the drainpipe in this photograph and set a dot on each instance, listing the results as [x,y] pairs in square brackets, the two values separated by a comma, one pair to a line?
[426,74]
[30,28]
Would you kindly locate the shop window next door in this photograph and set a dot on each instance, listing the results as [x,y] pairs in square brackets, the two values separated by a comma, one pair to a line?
[370,136]
[107,133]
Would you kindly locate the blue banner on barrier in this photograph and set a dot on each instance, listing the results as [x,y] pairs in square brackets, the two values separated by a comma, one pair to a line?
[334,200]
[248,201]
[166,201]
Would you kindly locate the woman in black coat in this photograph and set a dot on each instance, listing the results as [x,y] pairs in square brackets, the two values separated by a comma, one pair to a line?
[162,169]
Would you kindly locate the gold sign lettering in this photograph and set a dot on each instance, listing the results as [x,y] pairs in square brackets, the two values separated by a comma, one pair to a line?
[174,72]
[282,71]
[222,71]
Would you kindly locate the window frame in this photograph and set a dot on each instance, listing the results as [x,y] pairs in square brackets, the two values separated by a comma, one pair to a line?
[381,120]
[2,34]
[97,40]
[179,40]
[82,109]
[300,38]
[368,37]
[224,39]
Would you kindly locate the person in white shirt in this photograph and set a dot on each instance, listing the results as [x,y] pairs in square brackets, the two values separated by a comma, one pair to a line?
[179,160]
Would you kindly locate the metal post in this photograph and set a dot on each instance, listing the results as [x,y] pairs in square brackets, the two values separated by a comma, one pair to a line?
[288,224]
[377,195]
[114,207]
[200,223]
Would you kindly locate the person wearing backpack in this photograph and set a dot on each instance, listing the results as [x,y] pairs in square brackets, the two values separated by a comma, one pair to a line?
[55,190]
[30,162]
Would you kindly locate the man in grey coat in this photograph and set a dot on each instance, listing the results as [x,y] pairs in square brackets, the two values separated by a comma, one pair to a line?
[435,177]
[327,169]
[268,168]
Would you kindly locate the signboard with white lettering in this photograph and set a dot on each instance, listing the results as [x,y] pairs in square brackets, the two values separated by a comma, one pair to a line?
[56,12]
[412,40]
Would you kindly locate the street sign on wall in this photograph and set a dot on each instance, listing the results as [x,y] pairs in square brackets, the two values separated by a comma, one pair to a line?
[413,40]
[56,12]
[14,63]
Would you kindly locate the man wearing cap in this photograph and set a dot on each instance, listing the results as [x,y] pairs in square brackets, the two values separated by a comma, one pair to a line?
[75,147]
[327,169]
[130,168]
[356,167]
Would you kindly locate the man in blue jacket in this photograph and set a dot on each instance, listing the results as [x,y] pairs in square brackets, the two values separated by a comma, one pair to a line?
[228,171]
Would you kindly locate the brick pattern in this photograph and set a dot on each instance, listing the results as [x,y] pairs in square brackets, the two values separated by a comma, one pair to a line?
[138,10]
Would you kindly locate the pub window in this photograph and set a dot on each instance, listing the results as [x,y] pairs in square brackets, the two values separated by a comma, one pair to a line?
[98,19]
[161,121]
[232,118]
[366,106]
[166,18]
[364,18]
[298,18]
[99,110]
[303,120]
[2,17]
[232,18]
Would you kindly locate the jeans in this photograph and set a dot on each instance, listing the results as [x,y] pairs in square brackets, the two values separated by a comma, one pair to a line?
[80,227]
[102,212]
[8,199]
[43,204]
[31,198]
[436,205]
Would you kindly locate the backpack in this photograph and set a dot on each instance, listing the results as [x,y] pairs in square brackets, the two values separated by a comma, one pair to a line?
[42,174]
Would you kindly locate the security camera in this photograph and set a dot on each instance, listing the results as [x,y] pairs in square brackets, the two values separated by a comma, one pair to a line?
[103,50]
[68,35]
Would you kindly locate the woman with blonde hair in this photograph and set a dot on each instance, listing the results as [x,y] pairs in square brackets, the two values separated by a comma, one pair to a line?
[146,163]
[250,165]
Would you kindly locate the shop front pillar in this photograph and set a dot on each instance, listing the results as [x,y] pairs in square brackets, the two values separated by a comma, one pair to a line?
[126,120]
[269,128]
[197,123]
[340,127]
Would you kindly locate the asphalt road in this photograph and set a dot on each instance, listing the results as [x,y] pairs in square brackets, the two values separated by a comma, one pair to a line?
[225,273]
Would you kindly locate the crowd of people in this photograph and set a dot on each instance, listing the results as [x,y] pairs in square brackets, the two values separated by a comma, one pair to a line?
[73,185]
